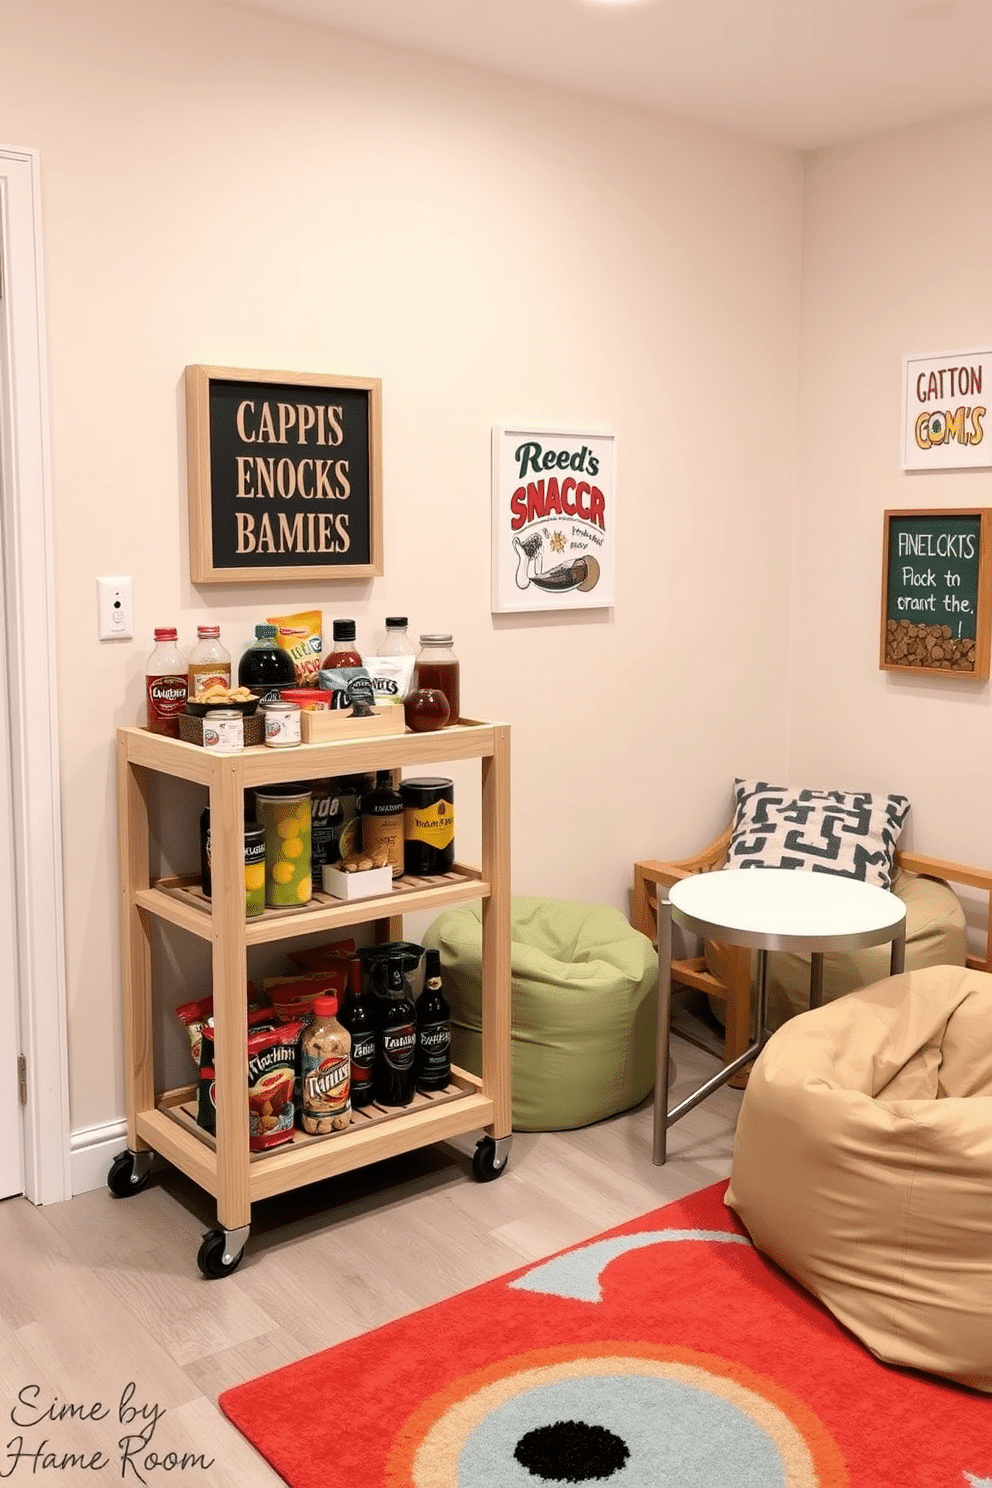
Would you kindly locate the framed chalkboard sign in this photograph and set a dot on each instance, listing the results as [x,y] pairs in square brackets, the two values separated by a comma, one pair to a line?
[285,475]
[937,592]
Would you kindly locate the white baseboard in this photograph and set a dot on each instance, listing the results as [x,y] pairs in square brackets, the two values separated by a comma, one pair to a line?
[91,1151]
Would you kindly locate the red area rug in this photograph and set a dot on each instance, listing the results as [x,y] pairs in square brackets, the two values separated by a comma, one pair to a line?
[667,1353]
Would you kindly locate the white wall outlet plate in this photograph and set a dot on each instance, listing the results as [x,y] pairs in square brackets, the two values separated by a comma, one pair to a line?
[115,616]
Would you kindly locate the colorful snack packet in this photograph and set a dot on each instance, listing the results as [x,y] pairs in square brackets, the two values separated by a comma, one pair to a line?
[300,635]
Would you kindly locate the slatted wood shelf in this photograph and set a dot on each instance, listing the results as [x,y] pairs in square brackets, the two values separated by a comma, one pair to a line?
[180,900]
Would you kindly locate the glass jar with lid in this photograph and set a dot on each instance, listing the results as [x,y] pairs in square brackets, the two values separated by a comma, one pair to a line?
[437,667]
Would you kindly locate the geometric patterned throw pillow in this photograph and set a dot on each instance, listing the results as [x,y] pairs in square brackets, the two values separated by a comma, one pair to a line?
[851,833]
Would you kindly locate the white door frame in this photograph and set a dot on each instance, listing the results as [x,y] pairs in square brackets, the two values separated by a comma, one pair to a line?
[29,585]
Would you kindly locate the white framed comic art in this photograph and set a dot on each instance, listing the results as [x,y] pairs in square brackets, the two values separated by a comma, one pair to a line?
[554,519]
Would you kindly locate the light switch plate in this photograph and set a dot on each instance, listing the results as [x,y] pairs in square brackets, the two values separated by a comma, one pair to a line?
[115,617]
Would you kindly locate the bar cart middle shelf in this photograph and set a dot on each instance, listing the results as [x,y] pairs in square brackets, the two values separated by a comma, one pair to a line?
[162,1122]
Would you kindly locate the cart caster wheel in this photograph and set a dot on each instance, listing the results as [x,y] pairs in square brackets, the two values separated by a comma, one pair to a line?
[210,1257]
[489,1158]
[126,1176]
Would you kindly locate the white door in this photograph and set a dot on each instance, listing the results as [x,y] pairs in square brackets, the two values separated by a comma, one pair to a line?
[11,1111]
[34,1138]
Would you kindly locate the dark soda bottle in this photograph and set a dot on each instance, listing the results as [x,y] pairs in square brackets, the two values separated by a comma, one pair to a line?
[382,821]
[265,667]
[358,1017]
[396,1040]
[433,1030]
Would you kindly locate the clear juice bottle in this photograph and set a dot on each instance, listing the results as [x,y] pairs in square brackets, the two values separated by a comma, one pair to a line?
[209,662]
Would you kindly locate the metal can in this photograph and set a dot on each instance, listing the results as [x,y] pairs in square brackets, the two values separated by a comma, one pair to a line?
[254,863]
[224,731]
[335,825]
[428,825]
[254,869]
[282,724]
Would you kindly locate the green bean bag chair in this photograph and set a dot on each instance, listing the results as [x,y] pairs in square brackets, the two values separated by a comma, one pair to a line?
[583,1010]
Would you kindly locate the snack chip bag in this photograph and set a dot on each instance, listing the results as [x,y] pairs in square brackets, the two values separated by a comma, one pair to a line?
[193,1015]
[326,957]
[293,996]
[391,678]
[300,635]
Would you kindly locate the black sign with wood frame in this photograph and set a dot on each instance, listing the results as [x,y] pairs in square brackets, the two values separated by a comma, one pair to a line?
[937,592]
[285,475]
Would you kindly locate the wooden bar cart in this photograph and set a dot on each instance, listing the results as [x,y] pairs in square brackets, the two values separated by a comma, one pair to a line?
[164,1122]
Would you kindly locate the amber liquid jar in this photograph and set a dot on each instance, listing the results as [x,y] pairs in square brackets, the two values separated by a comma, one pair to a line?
[437,667]
[426,709]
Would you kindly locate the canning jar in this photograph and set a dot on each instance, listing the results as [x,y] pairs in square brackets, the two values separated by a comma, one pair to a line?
[437,667]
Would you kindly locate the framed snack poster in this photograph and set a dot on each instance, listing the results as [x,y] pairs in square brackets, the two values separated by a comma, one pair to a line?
[937,592]
[554,520]
[285,475]
[945,400]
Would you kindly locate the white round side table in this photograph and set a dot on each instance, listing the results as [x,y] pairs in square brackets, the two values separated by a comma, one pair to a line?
[766,909]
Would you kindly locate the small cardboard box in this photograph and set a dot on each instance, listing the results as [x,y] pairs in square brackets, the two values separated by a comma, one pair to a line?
[367,884]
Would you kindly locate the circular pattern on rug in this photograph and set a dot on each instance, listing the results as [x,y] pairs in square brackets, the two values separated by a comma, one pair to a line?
[627,1416]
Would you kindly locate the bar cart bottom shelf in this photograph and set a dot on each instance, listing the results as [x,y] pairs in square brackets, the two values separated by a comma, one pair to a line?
[375,1133]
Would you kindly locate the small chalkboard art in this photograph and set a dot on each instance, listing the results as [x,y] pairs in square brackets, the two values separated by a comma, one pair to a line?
[937,592]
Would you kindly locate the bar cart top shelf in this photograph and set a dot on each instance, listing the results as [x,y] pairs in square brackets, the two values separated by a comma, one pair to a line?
[260,765]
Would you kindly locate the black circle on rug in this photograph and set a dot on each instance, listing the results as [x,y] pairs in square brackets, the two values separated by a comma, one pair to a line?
[571,1452]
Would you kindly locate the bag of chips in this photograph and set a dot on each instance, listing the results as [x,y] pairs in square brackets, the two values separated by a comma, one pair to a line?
[260,1020]
[300,635]
[193,1015]
[326,957]
[273,1060]
[293,996]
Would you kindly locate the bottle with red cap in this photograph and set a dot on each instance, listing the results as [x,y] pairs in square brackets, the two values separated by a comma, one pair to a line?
[209,662]
[166,685]
[325,1051]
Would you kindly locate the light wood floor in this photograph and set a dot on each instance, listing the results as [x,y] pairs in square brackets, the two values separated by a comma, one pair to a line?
[100,1292]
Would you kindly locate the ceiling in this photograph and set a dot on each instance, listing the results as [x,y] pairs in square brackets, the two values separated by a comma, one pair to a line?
[801,73]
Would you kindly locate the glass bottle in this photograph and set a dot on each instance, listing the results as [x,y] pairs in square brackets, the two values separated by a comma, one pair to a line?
[266,667]
[209,663]
[342,652]
[437,666]
[392,669]
[358,1016]
[396,1040]
[382,821]
[433,1030]
[166,685]
[397,641]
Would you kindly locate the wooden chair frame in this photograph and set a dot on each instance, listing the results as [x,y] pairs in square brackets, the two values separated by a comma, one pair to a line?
[735,992]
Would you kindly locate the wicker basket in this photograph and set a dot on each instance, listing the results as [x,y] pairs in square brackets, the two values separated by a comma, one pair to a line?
[191,729]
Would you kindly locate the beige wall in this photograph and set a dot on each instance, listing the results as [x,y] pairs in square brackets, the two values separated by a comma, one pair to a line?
[898,241]
[228,188]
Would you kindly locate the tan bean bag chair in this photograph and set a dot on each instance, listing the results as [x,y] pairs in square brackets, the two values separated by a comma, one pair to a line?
[863,1165]
[936,935]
